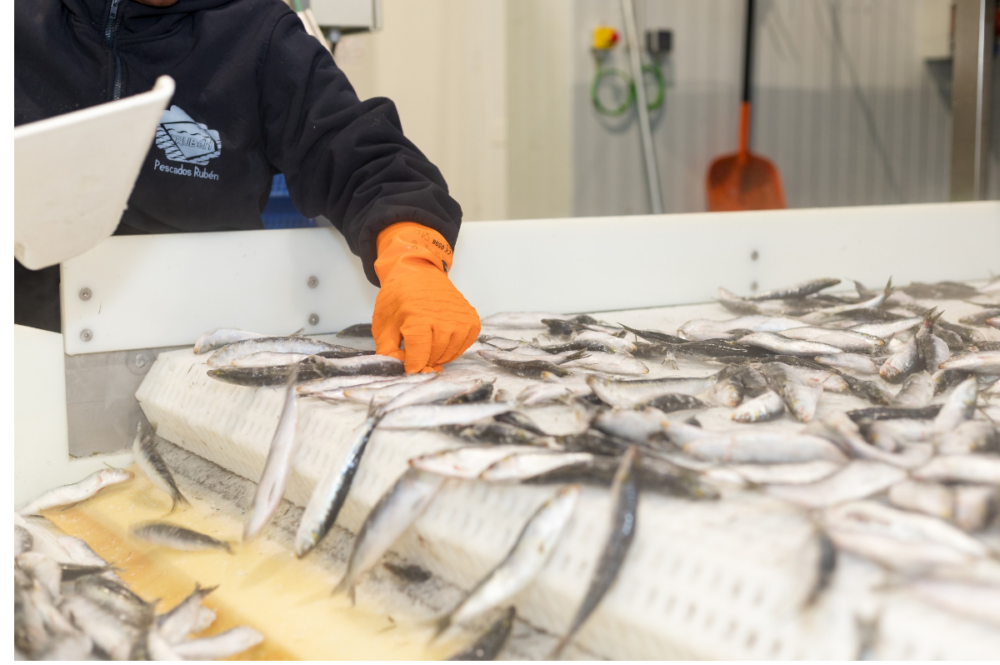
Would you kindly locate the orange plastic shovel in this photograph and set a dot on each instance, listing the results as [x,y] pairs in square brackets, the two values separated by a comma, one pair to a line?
[744,181]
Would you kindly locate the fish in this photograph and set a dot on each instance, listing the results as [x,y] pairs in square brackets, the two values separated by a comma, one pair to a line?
[899,365]
[491,642]
[894,553]
[932,499]
[789,347]
[625,392]
[23,541]
[544,393]
[876,518]
[826,566]
[530,367]
[839,428]
[504,343]
[671,402]
[495,433]
[655,335]
[855,362]
[653,474]
[271,487]
[874,303]
[45,571]
[974,600]
[178,538]
[334,385]
[357,330]
[610,363]
[623,521]
[331,491]
[796,291]
[982,362]
[759,446]
[888,329]
[108,633]
[993,322]
[976,507]
[395,511]
[972,436]
[849,341]
[152,464]
[857,480]
[74,493]
[424,416]
[72,645]
[263,377]
[371,365]
[705,329]
[522,563]
[220,337]
[961,406]
[765,407]
[224,645]
[74,571]
[932,350]
[269,359]
[520,320]
[305,345]
[523,465]
[482,391]
[431,392]
[800,399]
[979,469]
[867,390]
[466,462]
[917,391]
[801,473]
[381,393]
[116,599]
[894,413]
[633,425]
[184,618]
[979,318]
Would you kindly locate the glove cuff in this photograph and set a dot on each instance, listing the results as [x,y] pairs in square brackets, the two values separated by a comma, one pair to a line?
[409,240]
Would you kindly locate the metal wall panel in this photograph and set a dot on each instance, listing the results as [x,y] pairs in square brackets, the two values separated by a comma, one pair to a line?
[844,104]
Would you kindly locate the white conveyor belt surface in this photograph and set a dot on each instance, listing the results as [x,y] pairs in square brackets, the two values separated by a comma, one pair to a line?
[723,579]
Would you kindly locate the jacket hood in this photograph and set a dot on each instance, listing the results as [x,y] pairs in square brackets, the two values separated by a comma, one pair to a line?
[137,20]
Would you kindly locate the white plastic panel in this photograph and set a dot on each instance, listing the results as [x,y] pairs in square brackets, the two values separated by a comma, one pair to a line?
[41,453]
[166,290]
[150,291]
[75,173]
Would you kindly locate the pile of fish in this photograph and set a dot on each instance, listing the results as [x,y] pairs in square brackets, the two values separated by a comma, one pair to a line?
[69,604]
[887,439]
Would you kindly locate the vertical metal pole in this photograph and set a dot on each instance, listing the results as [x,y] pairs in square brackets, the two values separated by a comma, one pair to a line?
[970,99]
[635,62]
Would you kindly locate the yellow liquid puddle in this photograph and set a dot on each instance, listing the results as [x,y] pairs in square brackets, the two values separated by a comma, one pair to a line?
[262,584]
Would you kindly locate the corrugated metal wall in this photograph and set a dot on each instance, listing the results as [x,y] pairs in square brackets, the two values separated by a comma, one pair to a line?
[844,104]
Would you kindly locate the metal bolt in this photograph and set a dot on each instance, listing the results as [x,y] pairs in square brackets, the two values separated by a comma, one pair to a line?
[140,360]
[86,335]
[753,286]
[313,319]
[85,293]
[312,282]
[754,255]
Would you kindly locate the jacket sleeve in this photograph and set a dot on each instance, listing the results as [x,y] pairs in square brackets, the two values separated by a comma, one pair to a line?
[342,157]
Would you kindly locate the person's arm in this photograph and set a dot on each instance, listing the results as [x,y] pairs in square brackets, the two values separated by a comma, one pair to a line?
[350,161]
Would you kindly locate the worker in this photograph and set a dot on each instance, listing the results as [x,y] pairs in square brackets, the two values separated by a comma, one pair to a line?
[256,95]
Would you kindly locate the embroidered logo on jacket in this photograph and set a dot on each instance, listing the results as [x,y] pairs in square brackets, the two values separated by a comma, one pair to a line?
[184,140]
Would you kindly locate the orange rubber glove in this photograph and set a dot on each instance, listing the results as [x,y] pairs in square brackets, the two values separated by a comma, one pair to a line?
[417,302]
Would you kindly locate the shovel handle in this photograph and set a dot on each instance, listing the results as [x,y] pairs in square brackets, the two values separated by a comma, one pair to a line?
[747,80]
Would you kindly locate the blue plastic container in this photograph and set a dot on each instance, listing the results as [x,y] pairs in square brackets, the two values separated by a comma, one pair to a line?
[279,212]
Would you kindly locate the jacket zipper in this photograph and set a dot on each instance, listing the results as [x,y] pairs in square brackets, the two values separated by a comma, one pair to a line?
[109,38]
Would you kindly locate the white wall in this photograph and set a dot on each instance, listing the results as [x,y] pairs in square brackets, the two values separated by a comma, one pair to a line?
[845,104]
[443,62]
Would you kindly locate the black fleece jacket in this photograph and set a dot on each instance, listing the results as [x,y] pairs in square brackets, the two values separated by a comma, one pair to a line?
[256,95]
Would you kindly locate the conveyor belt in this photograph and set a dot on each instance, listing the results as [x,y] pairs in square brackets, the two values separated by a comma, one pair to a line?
[721,580]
